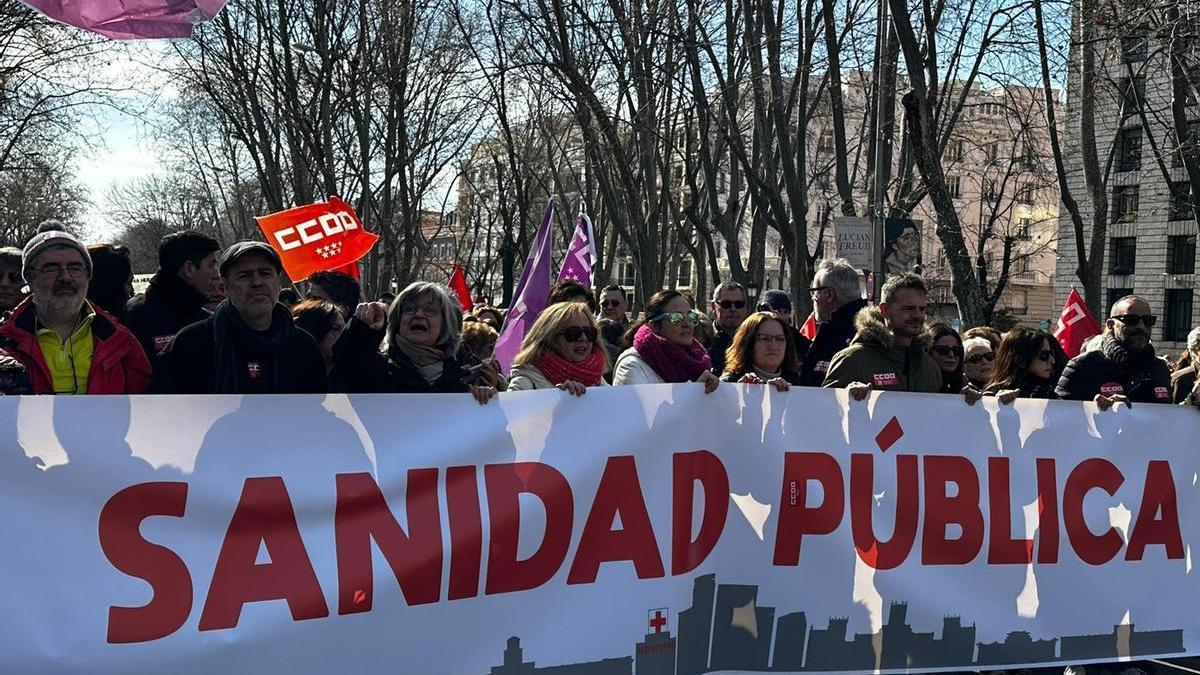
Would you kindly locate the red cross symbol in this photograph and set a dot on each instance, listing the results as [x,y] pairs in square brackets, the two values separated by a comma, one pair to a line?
[657,620]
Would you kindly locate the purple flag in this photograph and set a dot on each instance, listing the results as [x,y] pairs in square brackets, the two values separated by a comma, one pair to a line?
[581,254]
[131,19]
[533,289]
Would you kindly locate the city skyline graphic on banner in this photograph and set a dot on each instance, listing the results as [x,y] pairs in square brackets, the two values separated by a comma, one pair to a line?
[726,628]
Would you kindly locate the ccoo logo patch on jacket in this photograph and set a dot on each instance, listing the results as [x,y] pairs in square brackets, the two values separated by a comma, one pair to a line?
[1112,389]
[886,380]
[161,342]
[1161,393]
[254,369]
[821,367]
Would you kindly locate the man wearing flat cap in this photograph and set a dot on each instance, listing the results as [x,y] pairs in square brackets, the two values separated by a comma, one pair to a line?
[67,344]
[250,344]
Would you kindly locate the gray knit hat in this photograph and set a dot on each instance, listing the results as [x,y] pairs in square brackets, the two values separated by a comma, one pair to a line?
[51,239]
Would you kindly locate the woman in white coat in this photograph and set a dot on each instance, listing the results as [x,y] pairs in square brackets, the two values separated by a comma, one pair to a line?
[665,349]
[563,349]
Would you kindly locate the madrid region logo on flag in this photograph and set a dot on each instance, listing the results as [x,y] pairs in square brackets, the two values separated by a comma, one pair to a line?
[317,237]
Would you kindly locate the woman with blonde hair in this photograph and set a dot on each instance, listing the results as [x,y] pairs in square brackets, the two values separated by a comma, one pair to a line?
[563,349]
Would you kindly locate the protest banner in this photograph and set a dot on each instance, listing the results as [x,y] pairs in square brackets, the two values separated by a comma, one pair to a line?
[317,237]
[743,531]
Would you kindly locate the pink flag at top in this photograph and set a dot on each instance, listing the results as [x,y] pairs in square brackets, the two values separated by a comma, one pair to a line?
[581,254]
[1075,325]
[131,19]
[533,289]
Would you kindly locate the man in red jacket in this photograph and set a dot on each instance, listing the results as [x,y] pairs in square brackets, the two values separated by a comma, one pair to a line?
[68,345]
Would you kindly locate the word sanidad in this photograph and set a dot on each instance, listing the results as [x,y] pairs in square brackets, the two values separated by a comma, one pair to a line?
[264,517]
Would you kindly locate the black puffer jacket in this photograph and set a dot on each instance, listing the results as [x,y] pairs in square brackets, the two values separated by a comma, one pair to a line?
[1111,369]
[832,337]
[362,369]
[157,316]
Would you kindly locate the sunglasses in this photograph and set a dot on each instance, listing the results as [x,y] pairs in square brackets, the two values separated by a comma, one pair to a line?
[1045,355]
[946,350]
[611,303]
[1134,319]
[573,333]
[817,289]
[732,304]
[677,318]
[980,358]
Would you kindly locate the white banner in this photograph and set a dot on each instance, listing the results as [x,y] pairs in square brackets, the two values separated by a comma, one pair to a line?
[650,529]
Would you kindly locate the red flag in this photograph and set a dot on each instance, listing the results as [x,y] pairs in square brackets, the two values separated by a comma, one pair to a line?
[810,327]
[458,284]
[317,237]
[1075,325]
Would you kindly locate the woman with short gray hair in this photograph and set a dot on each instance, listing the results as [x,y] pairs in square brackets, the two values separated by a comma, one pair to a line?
[411,347]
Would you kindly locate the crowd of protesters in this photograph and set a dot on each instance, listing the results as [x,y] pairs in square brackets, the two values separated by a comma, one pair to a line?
[217,320]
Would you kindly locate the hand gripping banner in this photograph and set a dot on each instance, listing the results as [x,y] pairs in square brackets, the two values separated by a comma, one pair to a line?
[741,532]
[317,237]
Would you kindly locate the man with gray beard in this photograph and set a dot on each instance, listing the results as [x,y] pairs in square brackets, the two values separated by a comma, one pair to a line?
[67,344]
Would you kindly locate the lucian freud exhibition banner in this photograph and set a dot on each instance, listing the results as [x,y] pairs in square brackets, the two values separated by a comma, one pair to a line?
[649,529]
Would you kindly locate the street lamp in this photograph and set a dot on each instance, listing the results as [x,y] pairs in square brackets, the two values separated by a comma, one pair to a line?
[752,290]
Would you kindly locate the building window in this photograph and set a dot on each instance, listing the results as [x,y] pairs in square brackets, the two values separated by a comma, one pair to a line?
[1181,254]
[1178,314]
[1025,229]
[1133,92]
[1188,143]
[1129,149]
[954,186]
[993,151]
[1025,193]
[1125,203]
[1115,294]
[625,275]
[1133,48]
[1182,207]
[1123,255]
[683,275]
[955,152]
[989,190]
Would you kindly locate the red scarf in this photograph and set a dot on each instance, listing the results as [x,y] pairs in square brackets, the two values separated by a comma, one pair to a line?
[587,372]
[672,362]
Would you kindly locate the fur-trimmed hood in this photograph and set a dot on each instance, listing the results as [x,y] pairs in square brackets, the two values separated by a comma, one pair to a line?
[874,333]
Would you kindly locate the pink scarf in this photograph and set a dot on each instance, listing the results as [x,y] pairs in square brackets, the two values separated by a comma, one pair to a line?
[672,362]
[588,372]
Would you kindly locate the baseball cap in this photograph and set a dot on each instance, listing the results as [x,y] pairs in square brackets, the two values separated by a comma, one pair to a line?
[776,300]
[244,248]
